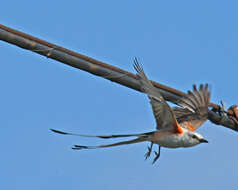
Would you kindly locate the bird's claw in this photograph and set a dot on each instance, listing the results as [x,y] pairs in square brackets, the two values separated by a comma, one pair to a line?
[147,154]
[156,158]
[157,155]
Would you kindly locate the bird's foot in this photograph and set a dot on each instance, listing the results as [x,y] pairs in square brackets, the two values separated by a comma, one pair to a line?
[157,155]
[147,154]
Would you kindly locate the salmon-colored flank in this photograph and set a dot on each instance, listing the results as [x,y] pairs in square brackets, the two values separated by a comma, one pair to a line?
[189,126]
[178,129]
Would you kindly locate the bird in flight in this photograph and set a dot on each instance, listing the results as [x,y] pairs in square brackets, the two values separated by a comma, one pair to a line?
[175,127]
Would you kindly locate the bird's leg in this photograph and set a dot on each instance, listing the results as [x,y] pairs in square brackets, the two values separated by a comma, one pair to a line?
[147,154]
[157,155]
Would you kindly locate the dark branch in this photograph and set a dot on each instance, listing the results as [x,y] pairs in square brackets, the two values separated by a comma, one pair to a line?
[106,71]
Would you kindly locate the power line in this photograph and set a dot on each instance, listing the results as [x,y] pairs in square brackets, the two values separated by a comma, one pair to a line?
[227,118]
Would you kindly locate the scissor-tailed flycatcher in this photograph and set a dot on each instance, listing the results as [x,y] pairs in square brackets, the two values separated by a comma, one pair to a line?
[175,126]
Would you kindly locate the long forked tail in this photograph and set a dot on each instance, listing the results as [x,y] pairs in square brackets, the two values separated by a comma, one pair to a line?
[137,140]
[102,136]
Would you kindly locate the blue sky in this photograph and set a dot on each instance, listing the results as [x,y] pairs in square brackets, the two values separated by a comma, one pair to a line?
[179,43]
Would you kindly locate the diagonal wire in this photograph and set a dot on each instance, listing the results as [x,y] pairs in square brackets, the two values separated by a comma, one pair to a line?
[101,69]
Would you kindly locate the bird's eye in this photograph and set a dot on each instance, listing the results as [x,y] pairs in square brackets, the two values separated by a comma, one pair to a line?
[194,136]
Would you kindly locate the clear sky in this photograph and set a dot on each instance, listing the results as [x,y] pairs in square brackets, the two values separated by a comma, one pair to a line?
[179,43]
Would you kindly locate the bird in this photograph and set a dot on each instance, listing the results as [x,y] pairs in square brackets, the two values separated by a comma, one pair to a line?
[175,126]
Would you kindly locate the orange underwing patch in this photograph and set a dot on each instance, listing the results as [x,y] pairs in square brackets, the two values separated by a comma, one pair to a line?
[189,126]
[178,129]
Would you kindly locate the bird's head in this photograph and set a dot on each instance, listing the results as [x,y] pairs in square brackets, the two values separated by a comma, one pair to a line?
[193,138]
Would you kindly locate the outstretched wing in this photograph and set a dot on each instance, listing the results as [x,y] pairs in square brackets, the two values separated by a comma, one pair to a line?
[195,107]
[165,118]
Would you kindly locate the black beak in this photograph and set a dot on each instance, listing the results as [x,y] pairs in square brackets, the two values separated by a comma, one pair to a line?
[203,141]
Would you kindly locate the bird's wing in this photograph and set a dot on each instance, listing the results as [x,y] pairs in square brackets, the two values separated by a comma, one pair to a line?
[195,107]
[165,118]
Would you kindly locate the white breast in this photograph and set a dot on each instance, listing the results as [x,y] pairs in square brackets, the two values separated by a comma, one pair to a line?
[174,141]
